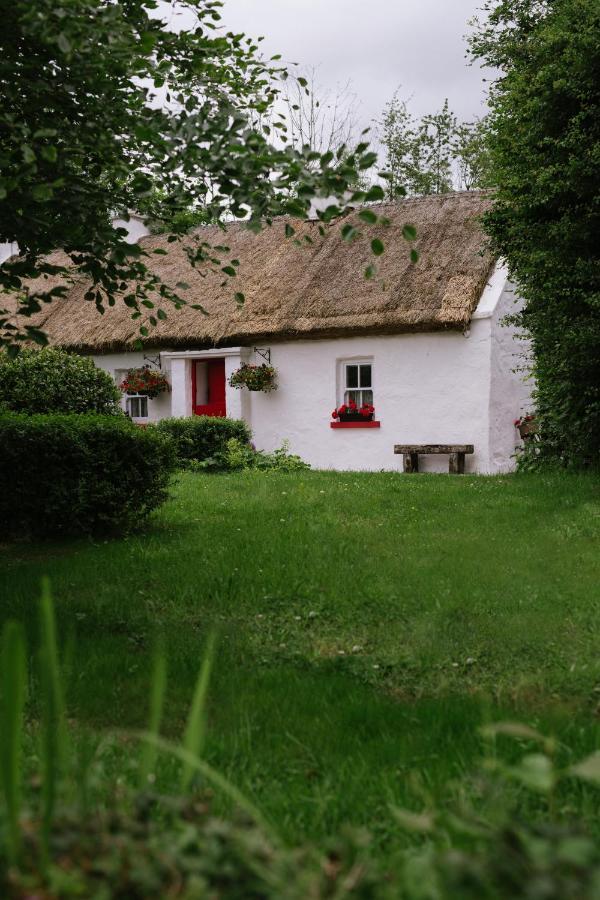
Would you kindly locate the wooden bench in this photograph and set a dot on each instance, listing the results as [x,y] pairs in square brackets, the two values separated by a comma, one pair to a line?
[457,452]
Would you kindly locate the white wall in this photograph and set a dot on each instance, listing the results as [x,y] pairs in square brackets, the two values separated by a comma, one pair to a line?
[428,388]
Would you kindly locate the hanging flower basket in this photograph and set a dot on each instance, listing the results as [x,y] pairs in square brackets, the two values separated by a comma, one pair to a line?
[526,426]
[352,413]
[255,378]
[145,381]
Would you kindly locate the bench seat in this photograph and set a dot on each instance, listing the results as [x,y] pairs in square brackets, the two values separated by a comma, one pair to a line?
[456,452]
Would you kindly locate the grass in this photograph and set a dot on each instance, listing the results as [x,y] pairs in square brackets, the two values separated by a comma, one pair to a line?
[366,625]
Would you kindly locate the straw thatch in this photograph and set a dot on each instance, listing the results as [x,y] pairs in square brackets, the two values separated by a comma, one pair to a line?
[312,291]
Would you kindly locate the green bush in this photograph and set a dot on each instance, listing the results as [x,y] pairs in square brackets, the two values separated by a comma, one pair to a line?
[72,474]
[201,438]
[244,456]
[52,380]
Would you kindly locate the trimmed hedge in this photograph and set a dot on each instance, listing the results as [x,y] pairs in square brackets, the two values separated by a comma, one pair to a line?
[73,474]
[203,437]
[52,380]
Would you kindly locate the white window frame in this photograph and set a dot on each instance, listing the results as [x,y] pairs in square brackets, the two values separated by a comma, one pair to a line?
[131,397]
[343,388]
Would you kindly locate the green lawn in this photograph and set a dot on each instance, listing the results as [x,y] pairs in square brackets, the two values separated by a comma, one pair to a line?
[367,624]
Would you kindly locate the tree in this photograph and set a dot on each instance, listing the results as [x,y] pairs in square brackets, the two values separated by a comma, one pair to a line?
[545,220]
[432,162]
[321,119]
[102,105]
[434,154]
[471,152]
[397,137]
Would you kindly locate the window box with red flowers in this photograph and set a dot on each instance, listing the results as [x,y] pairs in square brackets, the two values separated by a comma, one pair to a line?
[144,382]
[351,414]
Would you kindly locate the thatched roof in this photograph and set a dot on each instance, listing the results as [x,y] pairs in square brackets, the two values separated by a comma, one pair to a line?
[312,291]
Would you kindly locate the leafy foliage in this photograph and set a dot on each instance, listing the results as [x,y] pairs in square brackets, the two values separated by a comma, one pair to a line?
[545,125]
[202,438]
[136,843]
[434,154]
[105,105]
[52,380]
[254,377]
[72,474]
[238,456]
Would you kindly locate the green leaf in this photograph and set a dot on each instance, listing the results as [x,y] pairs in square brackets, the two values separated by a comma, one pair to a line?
[50,154]
[516,730]
[161,314]
[240,298]
[369,272]
[368,216]
[229,270]
[368,160]
[377,246]
[348,232]
[64,43]
[375,192]
[535,772]
[41,193]
[193,739]
[414,256]
[54,740]
[14,683]
[289,231]
[588,769]
[409,232]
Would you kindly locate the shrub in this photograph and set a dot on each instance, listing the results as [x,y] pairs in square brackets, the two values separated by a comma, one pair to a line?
[52,380]
[244,456]
[68,474]
[203,438]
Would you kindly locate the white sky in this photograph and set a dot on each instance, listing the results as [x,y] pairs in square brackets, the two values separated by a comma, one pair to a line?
[417,45]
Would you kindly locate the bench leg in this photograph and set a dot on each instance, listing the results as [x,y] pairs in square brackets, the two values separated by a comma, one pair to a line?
[411,462]
[456,465]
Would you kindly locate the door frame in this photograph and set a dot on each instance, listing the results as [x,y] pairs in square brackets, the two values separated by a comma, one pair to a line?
[180,364]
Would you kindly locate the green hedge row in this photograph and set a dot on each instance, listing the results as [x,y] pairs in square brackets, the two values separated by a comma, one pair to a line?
[52,380]
[74,474]
[202,438]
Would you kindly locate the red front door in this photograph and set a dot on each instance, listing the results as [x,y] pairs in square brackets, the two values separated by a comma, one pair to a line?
[208,387]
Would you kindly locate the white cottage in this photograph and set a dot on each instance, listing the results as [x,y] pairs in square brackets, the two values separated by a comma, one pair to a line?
[424,343]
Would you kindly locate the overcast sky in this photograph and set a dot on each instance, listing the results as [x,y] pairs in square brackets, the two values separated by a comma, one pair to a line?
[416,45]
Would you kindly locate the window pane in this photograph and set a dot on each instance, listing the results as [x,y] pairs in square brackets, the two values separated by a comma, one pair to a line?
[352,395]
[351,376]
[138,407]
[367,397]
[365,376]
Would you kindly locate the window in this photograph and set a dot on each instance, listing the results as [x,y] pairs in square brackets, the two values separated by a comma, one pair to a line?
[137,406]
[357,381]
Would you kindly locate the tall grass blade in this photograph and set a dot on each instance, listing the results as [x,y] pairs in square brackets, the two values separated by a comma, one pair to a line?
[157,702]
[213,777]
[13,685]
[54,746]
[195,732]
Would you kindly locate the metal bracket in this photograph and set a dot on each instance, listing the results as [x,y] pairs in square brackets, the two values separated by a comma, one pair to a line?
[265,352]
[155,360]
